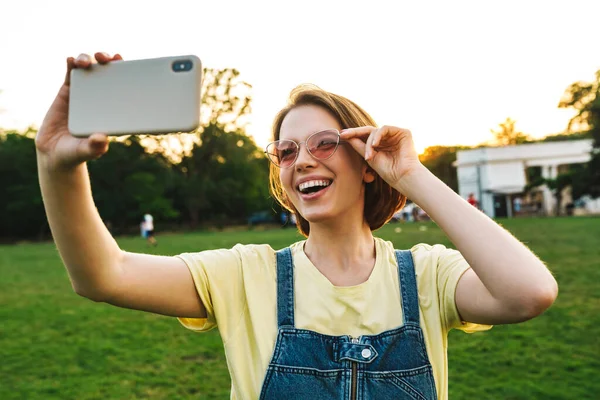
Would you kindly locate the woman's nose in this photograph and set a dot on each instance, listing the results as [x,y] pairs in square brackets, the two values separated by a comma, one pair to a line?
[304,158]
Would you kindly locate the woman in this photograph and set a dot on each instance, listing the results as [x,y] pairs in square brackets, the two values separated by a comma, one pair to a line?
[338,315]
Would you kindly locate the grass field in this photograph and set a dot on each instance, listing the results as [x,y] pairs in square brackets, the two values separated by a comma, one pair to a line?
[56,345]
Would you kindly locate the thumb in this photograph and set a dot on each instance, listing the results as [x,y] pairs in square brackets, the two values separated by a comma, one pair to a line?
[98,144]
[94,147]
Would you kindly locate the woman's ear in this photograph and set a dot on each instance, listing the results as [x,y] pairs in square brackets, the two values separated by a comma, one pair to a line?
[369,175]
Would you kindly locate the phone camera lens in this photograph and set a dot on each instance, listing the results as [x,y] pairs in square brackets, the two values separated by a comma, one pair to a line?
[182,65]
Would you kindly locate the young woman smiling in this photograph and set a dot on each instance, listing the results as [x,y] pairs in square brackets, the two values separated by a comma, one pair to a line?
[339,315]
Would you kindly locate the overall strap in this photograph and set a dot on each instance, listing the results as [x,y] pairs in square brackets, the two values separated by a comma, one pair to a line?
[285,288]
[408,287]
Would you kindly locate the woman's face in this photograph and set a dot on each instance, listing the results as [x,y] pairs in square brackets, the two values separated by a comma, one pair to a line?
[337,183]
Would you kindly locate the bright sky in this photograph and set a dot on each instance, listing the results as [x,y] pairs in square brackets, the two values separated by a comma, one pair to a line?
[448,70]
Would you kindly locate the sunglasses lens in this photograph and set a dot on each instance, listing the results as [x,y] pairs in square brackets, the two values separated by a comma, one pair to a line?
[323,144]
[282,153]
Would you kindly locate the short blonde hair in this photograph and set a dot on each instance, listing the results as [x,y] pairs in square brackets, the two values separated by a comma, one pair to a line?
[381,200]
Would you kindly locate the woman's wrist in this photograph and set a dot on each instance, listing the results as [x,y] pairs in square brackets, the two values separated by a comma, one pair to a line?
[56,176]
[413,182]
[48,164]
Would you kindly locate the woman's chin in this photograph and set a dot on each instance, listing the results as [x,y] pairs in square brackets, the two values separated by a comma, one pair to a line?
[319,217]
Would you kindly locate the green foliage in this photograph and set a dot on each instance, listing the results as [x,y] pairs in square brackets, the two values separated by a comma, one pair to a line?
[214,176]
[439,160]
[561,137]
[56,345]
[226,103]
[576,178]
[127,182]
[21,209]
[226,100]
[507,134]
[225,175]
[539,181]
[585,98]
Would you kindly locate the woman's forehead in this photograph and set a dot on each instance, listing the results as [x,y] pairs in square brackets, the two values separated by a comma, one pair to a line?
[303,121]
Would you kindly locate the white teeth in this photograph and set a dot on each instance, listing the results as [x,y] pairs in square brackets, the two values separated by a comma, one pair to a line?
[305,185]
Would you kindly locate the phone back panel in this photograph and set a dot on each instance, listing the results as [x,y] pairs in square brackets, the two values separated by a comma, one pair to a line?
[135,97]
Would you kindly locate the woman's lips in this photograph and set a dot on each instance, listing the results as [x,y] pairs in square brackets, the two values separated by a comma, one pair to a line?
[314,195]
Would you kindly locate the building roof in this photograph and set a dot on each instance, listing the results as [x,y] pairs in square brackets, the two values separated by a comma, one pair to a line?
[570,151]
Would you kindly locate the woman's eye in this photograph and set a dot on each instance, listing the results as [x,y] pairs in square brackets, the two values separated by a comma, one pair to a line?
[286,153]
[325,143]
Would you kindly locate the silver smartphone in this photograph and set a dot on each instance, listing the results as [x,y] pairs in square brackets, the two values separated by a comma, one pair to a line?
[150,96]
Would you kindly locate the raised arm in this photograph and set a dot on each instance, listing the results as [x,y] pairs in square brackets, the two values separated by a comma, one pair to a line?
[507,282]
[97,267]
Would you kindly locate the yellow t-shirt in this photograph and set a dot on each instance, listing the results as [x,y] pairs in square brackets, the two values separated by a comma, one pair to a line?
[238,287]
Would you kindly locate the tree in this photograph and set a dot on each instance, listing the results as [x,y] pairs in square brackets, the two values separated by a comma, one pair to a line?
[507,134]
[217,174]
[223,172]
[563,137]
[225,176]
[197,156]
[21,209]
[440,161]
[127,182]
[557,185]
[584,97]
[575,178]
[572,178]
[226,103]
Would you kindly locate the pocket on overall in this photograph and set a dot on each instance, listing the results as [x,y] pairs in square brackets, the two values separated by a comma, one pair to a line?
[415,384]
[302,383]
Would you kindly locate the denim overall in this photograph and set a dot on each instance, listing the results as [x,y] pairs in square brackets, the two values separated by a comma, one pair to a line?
[310,365]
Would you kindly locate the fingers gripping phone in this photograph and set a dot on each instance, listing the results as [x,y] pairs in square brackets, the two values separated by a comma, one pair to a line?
[151,96]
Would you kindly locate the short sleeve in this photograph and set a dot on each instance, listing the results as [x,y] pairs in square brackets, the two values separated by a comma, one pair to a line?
[451,265]
[218,279]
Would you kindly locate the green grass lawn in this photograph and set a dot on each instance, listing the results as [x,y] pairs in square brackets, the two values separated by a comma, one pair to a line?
[56,345]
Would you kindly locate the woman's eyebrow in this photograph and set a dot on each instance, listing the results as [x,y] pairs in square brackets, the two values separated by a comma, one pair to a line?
[308,134]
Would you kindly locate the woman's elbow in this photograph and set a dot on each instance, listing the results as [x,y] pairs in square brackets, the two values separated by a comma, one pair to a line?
[93,294]
[540,299]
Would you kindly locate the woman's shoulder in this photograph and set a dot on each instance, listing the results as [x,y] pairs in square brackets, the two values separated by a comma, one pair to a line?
[424,255]
[420,249]
[431,250]
[263,250]
[259,261]
[248,255]
[239,248]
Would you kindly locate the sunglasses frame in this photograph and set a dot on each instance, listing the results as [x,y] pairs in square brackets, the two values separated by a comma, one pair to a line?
[269,155]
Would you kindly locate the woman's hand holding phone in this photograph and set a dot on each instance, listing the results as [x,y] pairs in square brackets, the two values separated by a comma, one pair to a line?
[56,147]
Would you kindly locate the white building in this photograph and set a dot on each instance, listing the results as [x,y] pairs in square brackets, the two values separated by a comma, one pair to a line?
[498,176]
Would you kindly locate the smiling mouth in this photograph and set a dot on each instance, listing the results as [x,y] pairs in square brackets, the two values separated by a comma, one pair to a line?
[315,186]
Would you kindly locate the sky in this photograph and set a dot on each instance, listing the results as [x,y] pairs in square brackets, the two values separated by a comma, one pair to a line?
[447,70]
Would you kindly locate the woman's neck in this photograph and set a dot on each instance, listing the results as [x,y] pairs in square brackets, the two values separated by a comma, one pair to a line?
[344,254]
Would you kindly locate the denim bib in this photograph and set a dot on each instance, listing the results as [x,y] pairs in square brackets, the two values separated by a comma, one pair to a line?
[309,365]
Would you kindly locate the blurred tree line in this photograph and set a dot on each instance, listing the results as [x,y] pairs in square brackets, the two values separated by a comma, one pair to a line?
[584,98]
[218,176]
[215,176]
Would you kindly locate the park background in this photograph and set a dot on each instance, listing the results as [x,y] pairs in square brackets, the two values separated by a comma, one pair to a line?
[460,75]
